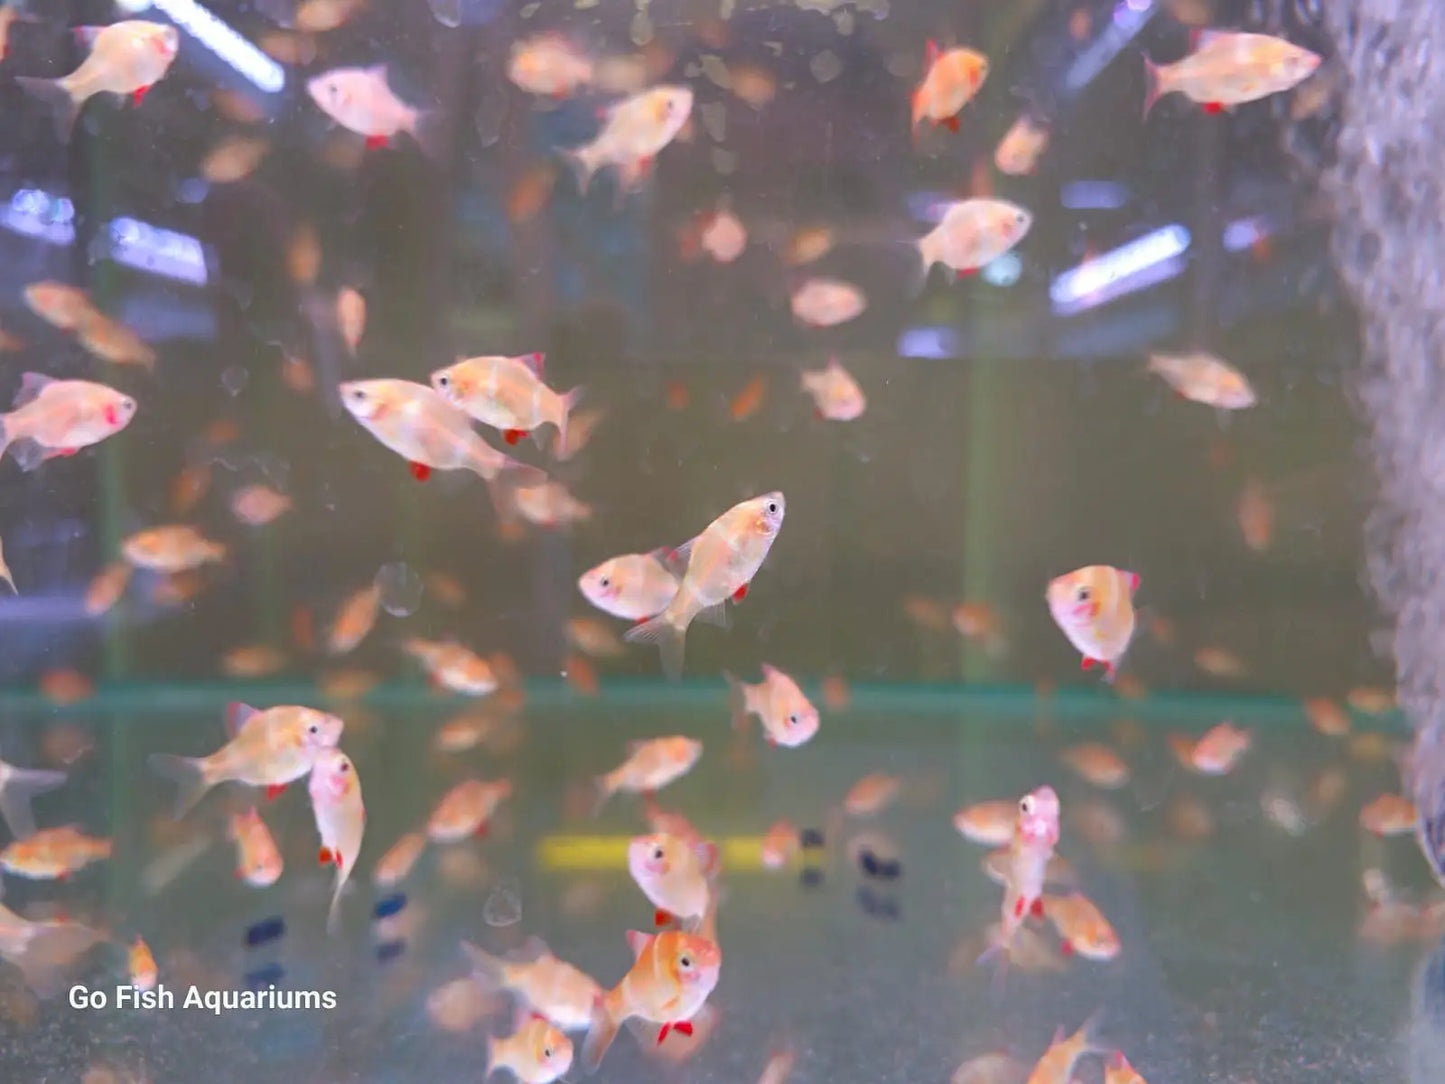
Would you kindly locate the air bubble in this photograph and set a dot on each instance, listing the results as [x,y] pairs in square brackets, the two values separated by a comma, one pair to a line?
[234,379]
[504,905]
[400,589]
[447,12]
[826,66]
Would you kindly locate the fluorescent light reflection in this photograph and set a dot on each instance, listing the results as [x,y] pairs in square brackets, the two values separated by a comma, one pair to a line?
[1143,262]
[219,37]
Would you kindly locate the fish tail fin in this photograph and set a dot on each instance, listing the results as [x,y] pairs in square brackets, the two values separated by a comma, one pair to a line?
[1088,1034]
[1153,85]
[55,95]
[487,970]
[189,775]
[426,128]
[602,785]
[20,785]
[584,165]
[565,403]
[668,637]
[600,1032]
[737,701]
[334,913]
[5,436]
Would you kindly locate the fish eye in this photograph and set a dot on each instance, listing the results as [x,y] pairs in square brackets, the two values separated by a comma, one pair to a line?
[127,404]
[444,380]
[793,719]
[657,854]
[314,729]
[358,394]
[1026,804]
[605,582]
[1083,594]
[772,508]
[546,1053]
[685,961]
[344,766]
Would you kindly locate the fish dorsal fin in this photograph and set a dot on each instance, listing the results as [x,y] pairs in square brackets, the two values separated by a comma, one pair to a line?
[237,716]
[1200,38]
[768,670]
[535,362]
[531,950]
[707,857]
[87,34]
[995,864]
[676,561]
[377,71]
[931,52]
[1132,579]
[31,385]
[638,941]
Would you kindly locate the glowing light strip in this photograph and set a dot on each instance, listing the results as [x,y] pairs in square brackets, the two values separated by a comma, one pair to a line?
[160,251]
[739,853]
[226,43]
[1090,278]
[38,214]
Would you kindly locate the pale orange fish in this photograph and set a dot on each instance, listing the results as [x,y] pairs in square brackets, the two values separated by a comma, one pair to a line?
[17,787]
[650,766]
[979,622]
[537,1053]
[1389,815]
[361,101]
[1031,848]
[258,860]
[1228,68]
[466,731]
[63,686]
[349,683]
[59,305]
[234,159]
[1256,515]
[59,417]
[836,395]
[171,549]
[127,57]
[1129,687]
[720,563]
[634,586]
[321,16]
[142,966]
[1019,150]
[1204,378]
[827,302]
[1117,1070]
[988,823]
[779,1067]
[1219,662]
[178,588]
[872,794]
[973,233]
[1097,764]
[460,1005]
[550,505]
[1098,822]
[1189,818]
[112,341]
[303,255]
[634,131]
[836,694]
[678,397]
[350,317]
[581,425]
[989,1069]
[507,394]
[258,505]
[594,638]
[1218,751]
[340,818]
[530,192]
[1370,700]
[268,748]
[549,65]
[752,84]
[354,620]
[1094,606]
[252,661]
[1327,717]
[950,80]
[671,978]
[53,853]
[237,106]
[788,717]
[467,810]
[295,49]
[445,589]
[297,374]
[540,982]
[722,236]
[1082,927]
[780,845]
[192,482]
[581,674]
[426,430]
[10,343]
[453,666]
[927,613]
[749,400]
[1057,1064]
[397,863]
[675,874]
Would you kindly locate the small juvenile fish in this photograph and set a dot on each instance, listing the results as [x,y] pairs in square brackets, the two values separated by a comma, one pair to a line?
[670,981]
[722,236]
[1094,606]
[425,429]
[1219,662]
[268,748]
[540,982]
[467,810]
[979,622]
[234,159]
[1204,378]
[550,505]
[1082,927]
[507,394]
[112,341]
[340,818]
[549,65]
[53,853]
[836,395]
[950,80]
[59,417]
[580,427]
[1255,513]
[354,620]
[350,318]
[127,57]
[719,563]
[171,549]
[780,844]
[1117,1070]
[258,505]
[17,787]
[258,860]
[1057,1064]
[452,666]
[634,586]
[321,16]
[61,306]
[788,717]
[1389,815]
[1097,764]
[581,674]
[676,875]
[361,101]
[142,966]
[778,1068]
[1019,150]
[872,794]
[989,1069]
[1229,69]
[592,637]
[749,400]
[397,863]
[633,133]
[650,766]
[827,302]
[988,823]
[537,1053]
[1219,750]
[1370,700]
[973,233]
[806,245]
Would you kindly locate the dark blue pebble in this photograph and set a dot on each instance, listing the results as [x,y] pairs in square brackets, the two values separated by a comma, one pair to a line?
[389,906]
[389,951]
[268,929]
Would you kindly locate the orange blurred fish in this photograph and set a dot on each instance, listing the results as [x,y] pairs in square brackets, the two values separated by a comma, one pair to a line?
[927,613]
[836,694]
[252,661]
[127,57]
[59,417]
[752,84]
[1228,68]
[60,305]
[1097,764]
[988,823]
[258,505]
[779,1067]
[823,302]
[446,589]
[142,966]
[972,233]
[453,666]
[397,862]
[65,686]
[53,853]
[979,622]
[788,717]
[951,78]
[780,845]
[1057,1064]
[1019,150]
[720,563]
[1370,700]
[670,981]
[550,65]
[234,159]
[354,620]
[303,255]
[836,395]
[1204,378]
[675,874]
[1389,815]
[467,810]
[872,794]
[340,818]
[1117,1070]
[540,982]
[112,341]
[191,483]
[989,1069]
[1094,606]
[592,637]
[268,748]
[550,505]
[321,16]
[537,1053]
[1219,662]
[171,549]
[747,402]
[580,427]
[1327,717]
[1218,751]
[350,317]
[507,394]
[581,675]
[634,586]
[258,860]
[807,245]
[530,192]
[1082,926]
[650,766]
[1256,515]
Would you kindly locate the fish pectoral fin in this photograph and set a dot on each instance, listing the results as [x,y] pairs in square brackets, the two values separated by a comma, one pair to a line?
[715,615]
